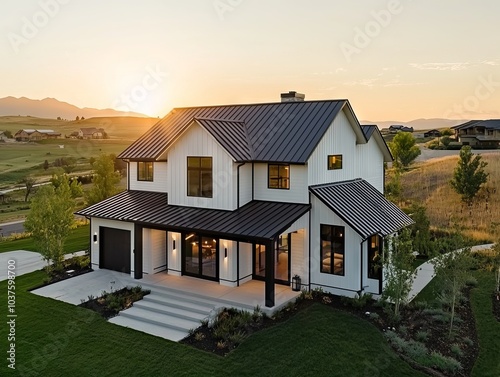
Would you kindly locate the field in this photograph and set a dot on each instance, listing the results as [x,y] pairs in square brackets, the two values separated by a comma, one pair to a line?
[428,183]
[19,159]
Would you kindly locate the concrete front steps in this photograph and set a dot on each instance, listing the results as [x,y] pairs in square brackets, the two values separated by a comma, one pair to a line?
[170,313]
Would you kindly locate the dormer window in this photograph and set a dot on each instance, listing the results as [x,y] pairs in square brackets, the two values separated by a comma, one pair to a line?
[278,176]
[145,171]
[199,176]
[334,162]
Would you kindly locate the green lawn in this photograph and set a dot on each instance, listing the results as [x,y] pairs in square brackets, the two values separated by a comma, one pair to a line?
[77,240]
[59,339]
[488,328]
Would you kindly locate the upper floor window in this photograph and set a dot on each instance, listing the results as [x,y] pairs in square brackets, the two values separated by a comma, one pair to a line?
[332,249]
[334,162]
[145,171]
[279,176]
[199,176]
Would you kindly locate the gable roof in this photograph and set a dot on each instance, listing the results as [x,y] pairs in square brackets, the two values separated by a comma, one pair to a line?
[90,130]
[373,131]
[490,124]
[363,207]
[256,220]
[270,132]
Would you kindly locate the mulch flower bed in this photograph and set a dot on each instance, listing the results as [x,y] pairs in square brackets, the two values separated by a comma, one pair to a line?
[111,303]
[427,326]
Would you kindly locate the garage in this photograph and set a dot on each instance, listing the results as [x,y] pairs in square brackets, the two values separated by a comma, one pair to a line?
[114,251]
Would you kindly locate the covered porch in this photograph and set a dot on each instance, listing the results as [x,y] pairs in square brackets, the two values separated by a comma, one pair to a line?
[230,238]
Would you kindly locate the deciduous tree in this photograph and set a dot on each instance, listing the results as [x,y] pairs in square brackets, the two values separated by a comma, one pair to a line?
[29,182]
[50,220]
[469,175]
[404,150]
[106,180]
[453,270]
[398,270]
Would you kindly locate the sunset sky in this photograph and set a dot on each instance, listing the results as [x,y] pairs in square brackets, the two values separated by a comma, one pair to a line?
[393,59]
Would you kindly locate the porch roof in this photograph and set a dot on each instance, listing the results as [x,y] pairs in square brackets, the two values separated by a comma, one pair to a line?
[363,207]
[257,220]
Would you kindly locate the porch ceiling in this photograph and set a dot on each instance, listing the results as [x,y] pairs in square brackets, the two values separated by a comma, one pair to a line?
[257,220]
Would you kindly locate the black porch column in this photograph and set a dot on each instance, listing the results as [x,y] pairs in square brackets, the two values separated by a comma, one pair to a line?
[270,274]
[137,251]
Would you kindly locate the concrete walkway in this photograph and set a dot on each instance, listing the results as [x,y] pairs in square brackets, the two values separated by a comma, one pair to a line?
[26,261]
[425,273]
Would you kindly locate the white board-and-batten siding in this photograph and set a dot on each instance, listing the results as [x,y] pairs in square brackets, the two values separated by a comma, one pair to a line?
[159,183]
[297,193]
[196,142]
[154,250]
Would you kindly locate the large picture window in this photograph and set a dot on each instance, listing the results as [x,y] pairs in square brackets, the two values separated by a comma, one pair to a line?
[335,162]
[279,176]
[332,249]
[199,176]
[145,171]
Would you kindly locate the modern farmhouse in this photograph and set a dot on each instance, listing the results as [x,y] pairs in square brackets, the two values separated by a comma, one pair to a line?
[260,191]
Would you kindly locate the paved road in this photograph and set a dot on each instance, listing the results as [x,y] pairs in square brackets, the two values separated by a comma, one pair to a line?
[9,228]
[428,154]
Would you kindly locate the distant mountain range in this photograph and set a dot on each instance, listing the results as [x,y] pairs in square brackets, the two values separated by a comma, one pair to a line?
[52,108]
[418,124]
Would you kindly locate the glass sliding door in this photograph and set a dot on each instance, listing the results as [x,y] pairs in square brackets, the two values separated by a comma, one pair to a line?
[200,256]
[281,261]
[191,254]
[260,260]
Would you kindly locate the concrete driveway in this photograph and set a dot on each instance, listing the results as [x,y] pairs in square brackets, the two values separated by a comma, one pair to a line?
[26,262]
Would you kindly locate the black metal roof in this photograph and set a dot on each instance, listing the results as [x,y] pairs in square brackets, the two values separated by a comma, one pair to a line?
[363,207]
[368,130]
[273,132]
[257,220]
[490,124]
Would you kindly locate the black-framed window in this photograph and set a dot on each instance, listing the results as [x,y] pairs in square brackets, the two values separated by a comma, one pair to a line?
[199,177]
[145,171]
[278,176]
[332,249]
[375,257]
[334,161]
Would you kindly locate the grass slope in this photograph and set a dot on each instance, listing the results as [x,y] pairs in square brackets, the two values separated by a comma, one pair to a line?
[428,183]
[77,240]
[59,339]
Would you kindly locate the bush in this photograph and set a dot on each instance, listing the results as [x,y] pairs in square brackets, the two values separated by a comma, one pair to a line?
[446,364]
[456,350]
[422,335]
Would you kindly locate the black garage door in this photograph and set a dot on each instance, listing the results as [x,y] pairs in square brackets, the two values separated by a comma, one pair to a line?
[114,249]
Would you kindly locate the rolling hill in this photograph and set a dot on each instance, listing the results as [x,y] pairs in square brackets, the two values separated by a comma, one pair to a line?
[52,108]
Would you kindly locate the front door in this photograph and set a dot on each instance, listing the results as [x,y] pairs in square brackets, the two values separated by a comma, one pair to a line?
[200,257]
[281,261]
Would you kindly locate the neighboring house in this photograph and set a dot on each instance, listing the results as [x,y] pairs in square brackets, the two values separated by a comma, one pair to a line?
[432,133]
[91,133]
[399,128]
[479,133]
[36,135]
[2,136]
[259,191]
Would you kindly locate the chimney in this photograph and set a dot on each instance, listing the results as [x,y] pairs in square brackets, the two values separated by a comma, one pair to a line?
[292,96]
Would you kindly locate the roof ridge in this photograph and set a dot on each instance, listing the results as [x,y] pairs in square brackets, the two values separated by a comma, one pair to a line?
[260,104]
[321,185]
[219,119]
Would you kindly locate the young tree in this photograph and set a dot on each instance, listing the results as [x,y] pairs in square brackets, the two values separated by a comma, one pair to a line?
[29,182]
[105,180]
[404,150]
[453,270]
[8,134]
[420,231]
[469,175]
[50,220]
[393,187]
[398,269]
[45,165]
[75,188]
